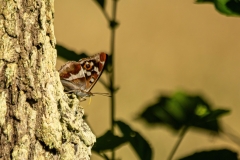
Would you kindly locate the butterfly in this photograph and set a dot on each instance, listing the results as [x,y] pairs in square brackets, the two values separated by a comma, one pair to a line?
[79,77]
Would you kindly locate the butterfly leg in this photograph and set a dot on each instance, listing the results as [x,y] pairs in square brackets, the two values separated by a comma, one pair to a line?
[90,100]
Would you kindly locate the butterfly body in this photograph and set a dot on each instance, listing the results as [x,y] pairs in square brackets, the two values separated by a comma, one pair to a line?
[80,77]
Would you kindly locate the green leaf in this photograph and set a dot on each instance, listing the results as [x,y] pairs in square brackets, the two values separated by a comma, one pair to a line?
[139,144]
[69,54]
[209,121]
[183,110]
[101,3]
[234,5]
[223,154]
[213,115]
[226,7]
[108,141]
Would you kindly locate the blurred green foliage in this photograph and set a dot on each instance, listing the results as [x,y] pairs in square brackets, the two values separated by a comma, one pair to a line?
[226,7]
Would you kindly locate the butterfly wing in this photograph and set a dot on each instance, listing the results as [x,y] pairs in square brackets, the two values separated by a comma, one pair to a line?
[93,68]
[72,76]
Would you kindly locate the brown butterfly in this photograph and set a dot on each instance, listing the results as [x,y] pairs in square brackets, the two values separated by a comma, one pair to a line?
[80,77]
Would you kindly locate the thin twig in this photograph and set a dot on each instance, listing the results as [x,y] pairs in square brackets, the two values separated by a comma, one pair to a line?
[181,136]
[111,77]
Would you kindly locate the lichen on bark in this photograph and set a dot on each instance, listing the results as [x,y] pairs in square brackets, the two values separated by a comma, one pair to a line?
[37,120]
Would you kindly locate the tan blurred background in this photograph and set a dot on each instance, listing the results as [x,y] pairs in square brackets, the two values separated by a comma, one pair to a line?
[161,46]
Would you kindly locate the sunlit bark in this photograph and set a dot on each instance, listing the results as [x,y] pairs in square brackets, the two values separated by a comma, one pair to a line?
[37,120]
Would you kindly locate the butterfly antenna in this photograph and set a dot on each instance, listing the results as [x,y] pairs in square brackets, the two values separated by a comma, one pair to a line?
[103,94]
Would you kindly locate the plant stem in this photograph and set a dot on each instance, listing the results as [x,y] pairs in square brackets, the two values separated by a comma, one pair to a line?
[182,134]
[112,78]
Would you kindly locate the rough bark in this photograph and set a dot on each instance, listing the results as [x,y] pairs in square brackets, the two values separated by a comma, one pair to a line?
[37,120]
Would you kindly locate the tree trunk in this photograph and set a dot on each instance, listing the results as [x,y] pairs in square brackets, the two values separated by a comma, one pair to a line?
[37,120]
